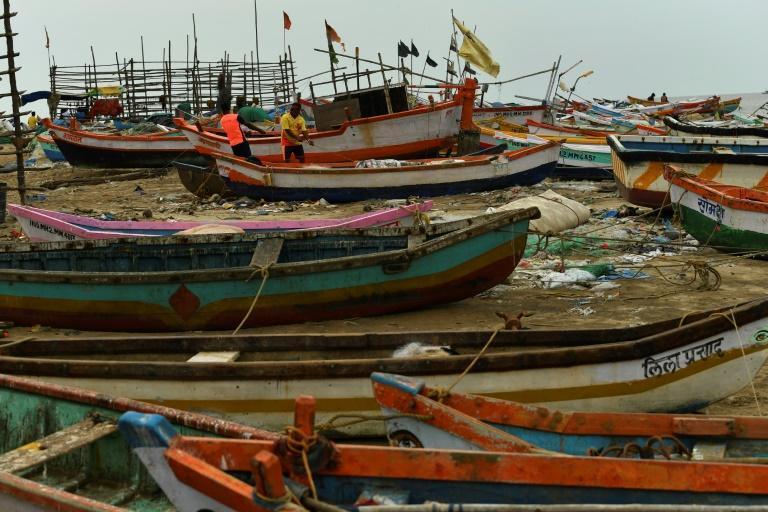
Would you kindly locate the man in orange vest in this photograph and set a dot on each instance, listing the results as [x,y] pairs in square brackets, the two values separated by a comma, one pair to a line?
[294,130]
[231,123]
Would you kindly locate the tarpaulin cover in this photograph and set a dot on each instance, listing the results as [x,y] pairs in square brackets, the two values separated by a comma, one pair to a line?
[44,95]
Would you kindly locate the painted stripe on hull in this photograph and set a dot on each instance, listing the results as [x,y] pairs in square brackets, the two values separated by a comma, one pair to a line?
[340,195]
[453,273]
[269,403]
[709,231]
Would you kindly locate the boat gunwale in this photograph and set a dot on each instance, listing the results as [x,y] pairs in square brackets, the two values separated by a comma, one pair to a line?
[709,327]
[494,221]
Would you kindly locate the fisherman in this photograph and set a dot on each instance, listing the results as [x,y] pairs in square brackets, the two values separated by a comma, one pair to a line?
[231,123]
[32,121]
[294,130]
[254,113]
[664,98]
[652,97]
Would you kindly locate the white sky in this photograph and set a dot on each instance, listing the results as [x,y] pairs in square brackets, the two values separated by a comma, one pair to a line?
[681,47]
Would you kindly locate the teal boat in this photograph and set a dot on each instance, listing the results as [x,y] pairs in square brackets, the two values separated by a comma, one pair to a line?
[211,282]
[60,449]
[575,162]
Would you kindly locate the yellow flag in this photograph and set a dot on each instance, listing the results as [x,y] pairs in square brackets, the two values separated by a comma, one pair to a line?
[473,50]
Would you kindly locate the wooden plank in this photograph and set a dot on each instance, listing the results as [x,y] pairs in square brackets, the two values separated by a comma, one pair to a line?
[56,444]
[214,357]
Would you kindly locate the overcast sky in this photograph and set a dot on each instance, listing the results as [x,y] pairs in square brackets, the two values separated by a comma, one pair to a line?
[681,47]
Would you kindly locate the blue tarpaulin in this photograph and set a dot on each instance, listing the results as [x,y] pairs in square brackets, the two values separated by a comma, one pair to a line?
[44,95]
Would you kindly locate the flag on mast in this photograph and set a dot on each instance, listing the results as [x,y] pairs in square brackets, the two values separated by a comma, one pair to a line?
[431,63]
[474,51]
[286,21]
[402,49]
[414,51]
[47,39]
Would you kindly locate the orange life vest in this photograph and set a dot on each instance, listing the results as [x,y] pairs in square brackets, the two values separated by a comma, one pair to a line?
[232,129]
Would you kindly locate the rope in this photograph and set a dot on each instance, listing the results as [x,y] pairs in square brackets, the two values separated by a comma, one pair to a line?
[731,317]
[297,442]
[362,418]
[440,393]
[264,275]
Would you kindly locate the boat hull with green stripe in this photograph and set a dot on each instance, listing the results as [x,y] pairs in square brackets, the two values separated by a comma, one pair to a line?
[60,449]
[222,281]
[575,161]
[727,217]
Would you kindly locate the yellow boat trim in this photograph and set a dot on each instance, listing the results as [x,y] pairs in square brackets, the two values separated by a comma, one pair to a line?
[524,396]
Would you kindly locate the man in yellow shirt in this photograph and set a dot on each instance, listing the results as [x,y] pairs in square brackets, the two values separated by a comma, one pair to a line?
[294,130]
[32,121]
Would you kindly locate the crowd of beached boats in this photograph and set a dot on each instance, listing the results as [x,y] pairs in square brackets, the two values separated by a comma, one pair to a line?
[84,449]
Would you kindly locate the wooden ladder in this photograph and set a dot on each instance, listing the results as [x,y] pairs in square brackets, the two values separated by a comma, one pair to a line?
[56,444]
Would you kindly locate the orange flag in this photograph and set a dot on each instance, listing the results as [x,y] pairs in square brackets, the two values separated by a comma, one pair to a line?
[286,21]
[333,36]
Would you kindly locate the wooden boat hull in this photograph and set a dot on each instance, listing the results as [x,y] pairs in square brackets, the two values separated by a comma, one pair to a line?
[639,172]
[416,133]
[516,115]
[196,473]
[203,181]
[718,219]
[41,225]
[575,161]
[431,418]
[426,179]
[105,470]
[686,129]
[639,375]
[87,149]
[210,293]
[545,129]
[51,150]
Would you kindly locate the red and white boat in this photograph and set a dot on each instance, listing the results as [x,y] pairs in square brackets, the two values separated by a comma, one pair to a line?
[414,133]
[116,151]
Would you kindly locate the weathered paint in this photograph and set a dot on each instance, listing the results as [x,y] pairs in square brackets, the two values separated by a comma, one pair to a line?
[725,216]
[47,226]
[106,468]
[487,423]
[448,268]
[621,376]
[442,176]
[464,477]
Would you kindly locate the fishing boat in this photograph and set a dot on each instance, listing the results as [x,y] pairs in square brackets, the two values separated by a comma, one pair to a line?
[727,217]
[41,225]
[221,281]
[411,133]
[428,417]
[51,150]
[370,179]
[517,114]
[658,367]
[543,129]
[201,180]
[115,151]
[575,161]
[60,449]
[201,474]
[685,129]
[638,163]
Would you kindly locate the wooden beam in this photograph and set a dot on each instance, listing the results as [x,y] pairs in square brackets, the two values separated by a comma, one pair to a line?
[55,445]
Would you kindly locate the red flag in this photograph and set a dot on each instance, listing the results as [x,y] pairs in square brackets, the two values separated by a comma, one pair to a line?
[286,21]
[47,39]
